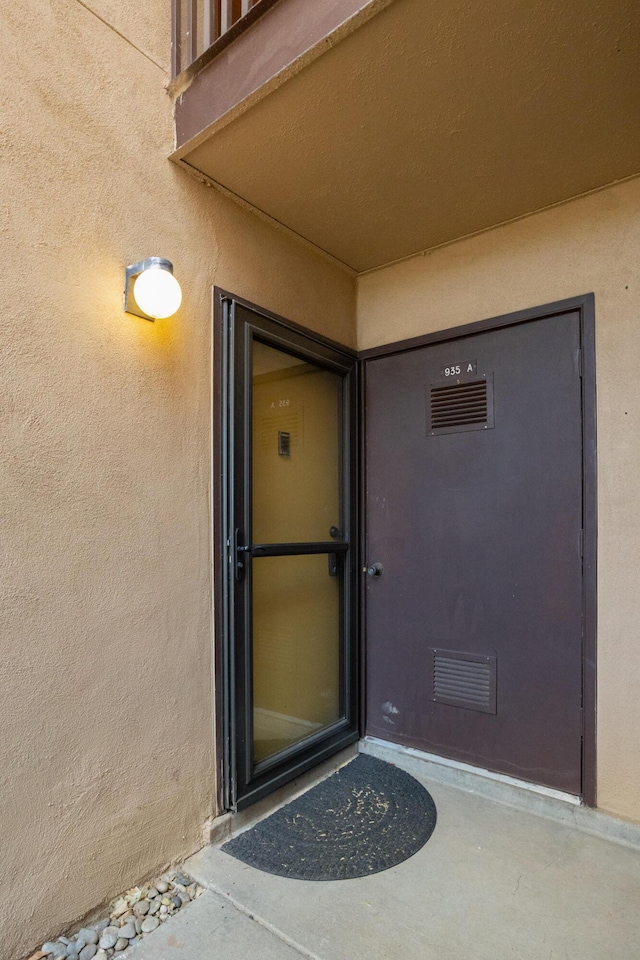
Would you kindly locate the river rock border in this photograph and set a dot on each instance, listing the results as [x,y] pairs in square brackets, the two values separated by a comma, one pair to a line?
[137,912]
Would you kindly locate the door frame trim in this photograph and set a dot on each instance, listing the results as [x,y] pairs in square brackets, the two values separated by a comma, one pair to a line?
[585,306]
[220,498]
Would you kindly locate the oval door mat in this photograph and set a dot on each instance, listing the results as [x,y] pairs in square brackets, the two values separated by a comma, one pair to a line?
[365,818]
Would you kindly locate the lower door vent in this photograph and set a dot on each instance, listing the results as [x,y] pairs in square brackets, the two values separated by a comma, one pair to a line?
[463,680]
[454,407]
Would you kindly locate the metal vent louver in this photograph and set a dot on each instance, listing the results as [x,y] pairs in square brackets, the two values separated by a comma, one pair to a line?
[463,680]
[460,406]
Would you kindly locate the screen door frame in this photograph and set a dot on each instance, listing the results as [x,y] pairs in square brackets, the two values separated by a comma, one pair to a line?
[238,782]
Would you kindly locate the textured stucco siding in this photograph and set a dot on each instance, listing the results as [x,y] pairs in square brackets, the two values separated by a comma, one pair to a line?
[106,746]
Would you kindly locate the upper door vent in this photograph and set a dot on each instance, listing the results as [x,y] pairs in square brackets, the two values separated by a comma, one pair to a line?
[457,406]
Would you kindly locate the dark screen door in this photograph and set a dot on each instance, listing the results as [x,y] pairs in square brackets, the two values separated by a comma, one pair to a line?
[474,511]
[291,552]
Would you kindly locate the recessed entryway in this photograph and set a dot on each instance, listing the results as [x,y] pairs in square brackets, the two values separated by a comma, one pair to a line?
[479,570]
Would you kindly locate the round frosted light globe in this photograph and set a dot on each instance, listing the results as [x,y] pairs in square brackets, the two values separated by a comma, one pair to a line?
[157,292]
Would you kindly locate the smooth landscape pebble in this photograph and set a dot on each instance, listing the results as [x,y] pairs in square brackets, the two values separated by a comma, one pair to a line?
[162,886]
[108,940]
[121,944]
[87,935]
[149,924]
[88,952]
[56,950]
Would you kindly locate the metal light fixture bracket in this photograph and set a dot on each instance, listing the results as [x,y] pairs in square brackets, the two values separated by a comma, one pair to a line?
[130,274]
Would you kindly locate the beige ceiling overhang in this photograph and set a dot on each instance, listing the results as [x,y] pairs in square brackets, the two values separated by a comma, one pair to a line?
[435,119]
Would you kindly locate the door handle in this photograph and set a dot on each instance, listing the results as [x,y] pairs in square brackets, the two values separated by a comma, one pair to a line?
[237,555]
[375,570]
[334,533]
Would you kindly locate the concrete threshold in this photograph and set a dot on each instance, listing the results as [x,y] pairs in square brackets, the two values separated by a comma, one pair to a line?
[532,798]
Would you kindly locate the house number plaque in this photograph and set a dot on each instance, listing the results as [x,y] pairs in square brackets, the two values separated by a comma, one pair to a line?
[459,369]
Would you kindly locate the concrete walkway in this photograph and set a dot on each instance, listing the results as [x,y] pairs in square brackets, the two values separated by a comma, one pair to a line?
[493,882]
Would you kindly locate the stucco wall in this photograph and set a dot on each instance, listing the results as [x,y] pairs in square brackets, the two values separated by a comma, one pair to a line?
[589,245]
[106,746]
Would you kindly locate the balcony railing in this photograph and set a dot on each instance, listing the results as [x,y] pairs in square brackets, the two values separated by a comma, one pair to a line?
[201,28]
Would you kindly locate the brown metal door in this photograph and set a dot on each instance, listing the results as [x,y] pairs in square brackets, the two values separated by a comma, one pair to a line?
[474,511]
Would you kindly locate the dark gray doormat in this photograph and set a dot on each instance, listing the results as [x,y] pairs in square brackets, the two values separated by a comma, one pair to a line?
[365,818]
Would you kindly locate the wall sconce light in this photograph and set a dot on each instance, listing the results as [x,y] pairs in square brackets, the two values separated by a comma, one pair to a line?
[150,289]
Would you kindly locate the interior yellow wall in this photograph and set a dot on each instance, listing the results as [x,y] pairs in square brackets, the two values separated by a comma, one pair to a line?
[589,245]
[296,498]
[106,746]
